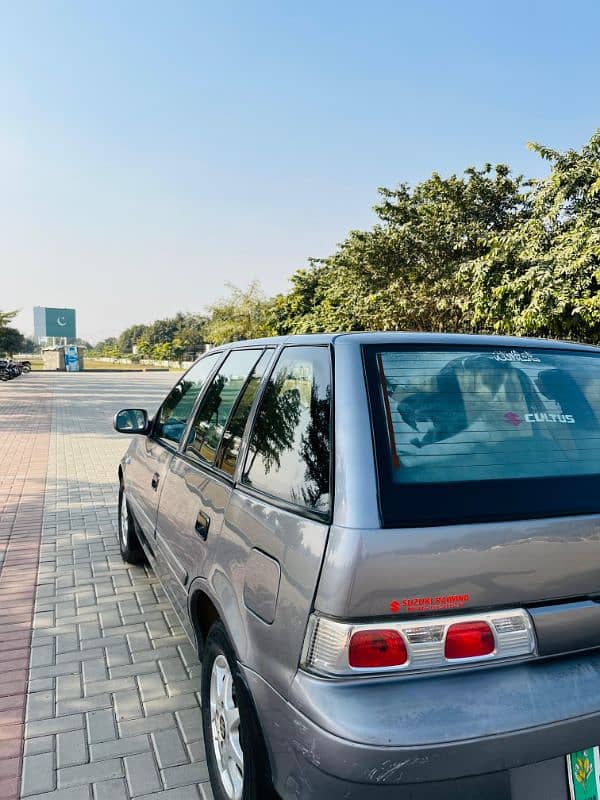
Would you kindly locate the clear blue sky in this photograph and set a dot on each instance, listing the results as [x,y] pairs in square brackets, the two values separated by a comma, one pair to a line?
[151,152]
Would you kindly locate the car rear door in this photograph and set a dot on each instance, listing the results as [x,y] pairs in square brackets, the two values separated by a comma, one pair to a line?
[276,524]
[148,459]
[199,480]
[488,468]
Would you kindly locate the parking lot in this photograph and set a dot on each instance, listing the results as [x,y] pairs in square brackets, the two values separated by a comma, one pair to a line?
[110,707]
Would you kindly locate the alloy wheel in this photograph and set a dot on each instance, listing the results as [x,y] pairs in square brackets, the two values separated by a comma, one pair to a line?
[225,728]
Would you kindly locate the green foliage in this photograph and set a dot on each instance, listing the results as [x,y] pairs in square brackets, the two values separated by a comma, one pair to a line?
[483,252]
[30,346]
[182,333]
[130,336]
[542,277]
[486,251]
[11,340]
[171,338]
[240,315]
[409,270]
[6,317]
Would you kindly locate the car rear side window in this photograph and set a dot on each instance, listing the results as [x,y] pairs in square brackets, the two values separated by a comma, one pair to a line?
[289,452]
[217,403]
[174,413]
[490,431]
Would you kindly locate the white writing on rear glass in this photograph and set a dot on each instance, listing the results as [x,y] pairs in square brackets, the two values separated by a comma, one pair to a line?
[515,355]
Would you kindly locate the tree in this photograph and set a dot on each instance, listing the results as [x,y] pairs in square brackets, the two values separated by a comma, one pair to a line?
[6,317]
[411,270]
[11,340]
[184,333]
[82,343]
[275,426]
[542,276]
[143,347]
[130,336]
[482,251]
[191,333]
[107,348]
[240,315]
[162,351]
[29,346]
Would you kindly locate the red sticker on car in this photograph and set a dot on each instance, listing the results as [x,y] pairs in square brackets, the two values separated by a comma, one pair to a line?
[438,603]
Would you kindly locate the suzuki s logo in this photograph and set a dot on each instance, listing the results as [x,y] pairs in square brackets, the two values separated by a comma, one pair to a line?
[513,419]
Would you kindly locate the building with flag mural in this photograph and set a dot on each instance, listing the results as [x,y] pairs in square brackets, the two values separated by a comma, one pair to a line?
[54,323]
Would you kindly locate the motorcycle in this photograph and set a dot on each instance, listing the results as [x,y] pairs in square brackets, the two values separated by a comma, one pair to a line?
[9,370]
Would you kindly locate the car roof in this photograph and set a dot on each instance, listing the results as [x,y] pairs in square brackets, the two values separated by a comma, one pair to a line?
[412,338]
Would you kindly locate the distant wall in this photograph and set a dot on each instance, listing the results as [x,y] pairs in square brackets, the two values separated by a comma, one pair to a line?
[144,362]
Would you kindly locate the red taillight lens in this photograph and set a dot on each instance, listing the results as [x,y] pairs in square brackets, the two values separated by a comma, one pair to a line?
[377,648]
[469,640]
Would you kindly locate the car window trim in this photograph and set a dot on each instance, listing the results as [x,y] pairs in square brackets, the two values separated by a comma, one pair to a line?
[169,443]
[188,430]
[205,467]
[267,371]
[232,479]
[388,504]
[211,469]
[247,435]
[286,505]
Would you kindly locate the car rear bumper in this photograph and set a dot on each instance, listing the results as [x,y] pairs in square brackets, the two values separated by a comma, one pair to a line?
[312,760]
[545,780]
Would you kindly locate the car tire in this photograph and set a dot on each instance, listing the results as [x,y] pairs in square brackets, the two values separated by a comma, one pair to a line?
[129,543]
[225,699]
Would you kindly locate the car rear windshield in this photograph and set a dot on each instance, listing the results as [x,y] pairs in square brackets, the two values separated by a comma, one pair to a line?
[482,433]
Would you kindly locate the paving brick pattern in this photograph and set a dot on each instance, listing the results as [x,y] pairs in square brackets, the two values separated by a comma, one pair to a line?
[113,695]
[24,439]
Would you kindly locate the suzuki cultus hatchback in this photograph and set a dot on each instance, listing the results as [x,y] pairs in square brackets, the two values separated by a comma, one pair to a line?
[386,549]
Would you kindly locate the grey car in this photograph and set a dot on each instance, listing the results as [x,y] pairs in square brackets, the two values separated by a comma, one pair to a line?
[386,550]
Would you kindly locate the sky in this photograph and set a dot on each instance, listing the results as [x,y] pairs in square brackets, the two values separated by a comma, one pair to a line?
[151,153]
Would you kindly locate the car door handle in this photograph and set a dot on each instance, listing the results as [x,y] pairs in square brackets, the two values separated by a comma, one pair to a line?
[202,524]
[155,480]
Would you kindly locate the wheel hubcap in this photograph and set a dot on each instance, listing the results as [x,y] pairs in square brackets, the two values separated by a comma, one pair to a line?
[124,526]
[225,728]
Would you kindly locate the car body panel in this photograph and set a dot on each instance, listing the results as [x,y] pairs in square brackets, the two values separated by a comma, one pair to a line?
[483,565]
[296,545]
[189,491]
[309,761]
[145,459]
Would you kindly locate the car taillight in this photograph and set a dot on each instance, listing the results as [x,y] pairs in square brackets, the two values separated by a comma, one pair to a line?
[376,649]
[469,640]
[339,648]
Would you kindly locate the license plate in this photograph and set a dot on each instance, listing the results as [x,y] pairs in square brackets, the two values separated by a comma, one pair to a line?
[583,771]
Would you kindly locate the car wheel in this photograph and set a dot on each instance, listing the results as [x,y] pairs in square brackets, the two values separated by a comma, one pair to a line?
[129,544]
[235,752]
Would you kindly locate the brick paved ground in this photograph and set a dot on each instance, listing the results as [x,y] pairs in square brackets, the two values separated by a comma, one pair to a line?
[112,697]
[24,439]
